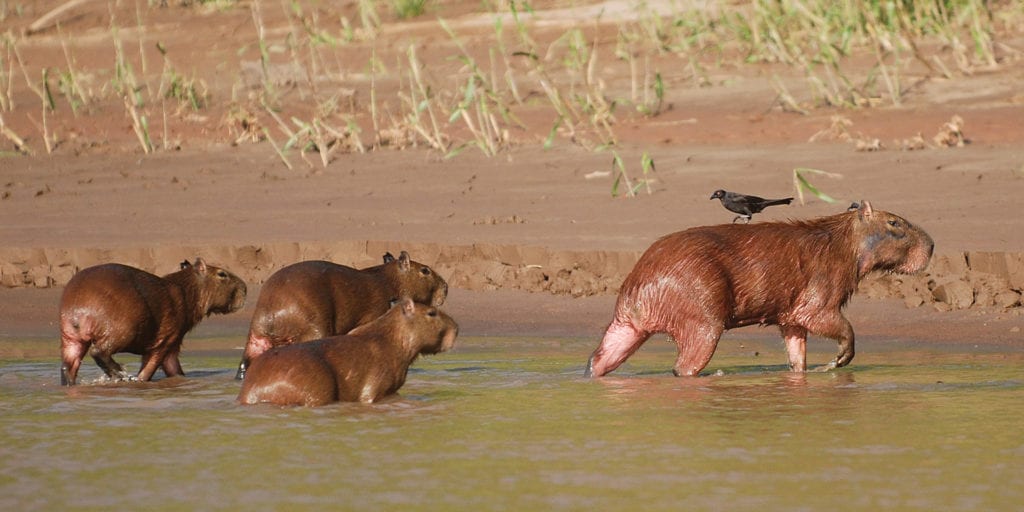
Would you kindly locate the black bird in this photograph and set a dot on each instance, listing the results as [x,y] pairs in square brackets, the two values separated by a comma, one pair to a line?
[746,206]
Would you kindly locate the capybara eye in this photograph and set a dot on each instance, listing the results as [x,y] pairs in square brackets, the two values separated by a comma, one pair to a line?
[894,223]
[432,312]
[425,271]
[222,274]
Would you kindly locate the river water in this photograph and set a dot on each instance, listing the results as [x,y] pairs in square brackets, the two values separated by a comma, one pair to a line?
[511,424]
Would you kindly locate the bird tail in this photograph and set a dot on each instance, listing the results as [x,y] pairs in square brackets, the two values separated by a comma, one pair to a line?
[774,202]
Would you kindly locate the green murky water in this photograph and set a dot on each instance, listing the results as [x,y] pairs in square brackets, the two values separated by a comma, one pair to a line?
[510,424]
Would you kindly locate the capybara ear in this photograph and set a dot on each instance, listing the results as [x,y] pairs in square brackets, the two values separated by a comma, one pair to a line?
[404,261]
[408,306]
[200,265]
[865,210]
[185,264]
[388,257]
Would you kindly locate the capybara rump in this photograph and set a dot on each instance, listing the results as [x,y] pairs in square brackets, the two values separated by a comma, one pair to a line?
[798,275]
[315,299]
[114,308]
[365,365]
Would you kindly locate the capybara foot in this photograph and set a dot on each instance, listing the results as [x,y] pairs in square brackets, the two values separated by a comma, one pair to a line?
[588,372]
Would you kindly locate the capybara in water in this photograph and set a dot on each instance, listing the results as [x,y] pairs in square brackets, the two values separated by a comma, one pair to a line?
[368,363]
[316,299]
[798,275]
[114,308]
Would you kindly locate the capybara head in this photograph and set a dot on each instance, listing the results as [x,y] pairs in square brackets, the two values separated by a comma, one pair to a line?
[421,329]
[414,280]
[889,242]
[221,291]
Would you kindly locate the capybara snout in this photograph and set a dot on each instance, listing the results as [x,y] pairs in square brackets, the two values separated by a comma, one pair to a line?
[798,275]
[115,308]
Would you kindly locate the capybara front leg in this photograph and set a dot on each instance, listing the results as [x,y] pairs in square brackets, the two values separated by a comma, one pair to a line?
[110,367]
[620,341]
[172,365]
[150,362]
[838,328]
[696,346]
[796,346]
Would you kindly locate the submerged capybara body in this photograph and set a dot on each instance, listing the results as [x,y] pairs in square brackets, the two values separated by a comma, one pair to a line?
[316,299]
[115,308]
[365,365]
[695,284]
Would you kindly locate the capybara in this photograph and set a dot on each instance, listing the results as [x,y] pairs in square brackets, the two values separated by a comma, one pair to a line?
[114,308]
[315,299]
[365,365]
[798,275]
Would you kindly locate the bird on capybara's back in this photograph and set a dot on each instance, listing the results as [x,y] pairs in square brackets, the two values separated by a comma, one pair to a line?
[365,365]
[798,275]
[315,299]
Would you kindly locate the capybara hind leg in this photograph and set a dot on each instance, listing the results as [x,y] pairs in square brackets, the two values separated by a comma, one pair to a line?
[796,347]
[257,345]
[620,341]
[72,350]
[696,346]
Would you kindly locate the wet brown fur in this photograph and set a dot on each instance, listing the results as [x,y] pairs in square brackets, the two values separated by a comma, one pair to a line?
[316,299]
[365,365]
[799,275]
[115,308]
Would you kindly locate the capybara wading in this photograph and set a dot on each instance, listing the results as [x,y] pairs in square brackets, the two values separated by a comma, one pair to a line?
[798,275]
[316,299]
[114,308]
[368,363]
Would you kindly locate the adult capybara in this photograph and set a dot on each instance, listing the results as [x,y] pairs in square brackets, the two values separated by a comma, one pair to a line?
[368,363]
[114,308]
[694,284]
[316,299]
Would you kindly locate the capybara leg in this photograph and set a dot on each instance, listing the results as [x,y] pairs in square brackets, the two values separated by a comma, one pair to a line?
[171,365]
[696,346]
[71,355]
[796,347]
[620,341]
[150,362]
[838,328]
[109,366]
[71,352]
[257,344]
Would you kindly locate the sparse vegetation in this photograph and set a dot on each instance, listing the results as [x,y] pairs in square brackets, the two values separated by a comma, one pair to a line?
[318,79]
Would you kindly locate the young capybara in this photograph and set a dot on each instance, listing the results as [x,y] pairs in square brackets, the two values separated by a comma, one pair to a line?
[114,308]
[365,365]
[316,299]
[798,275]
